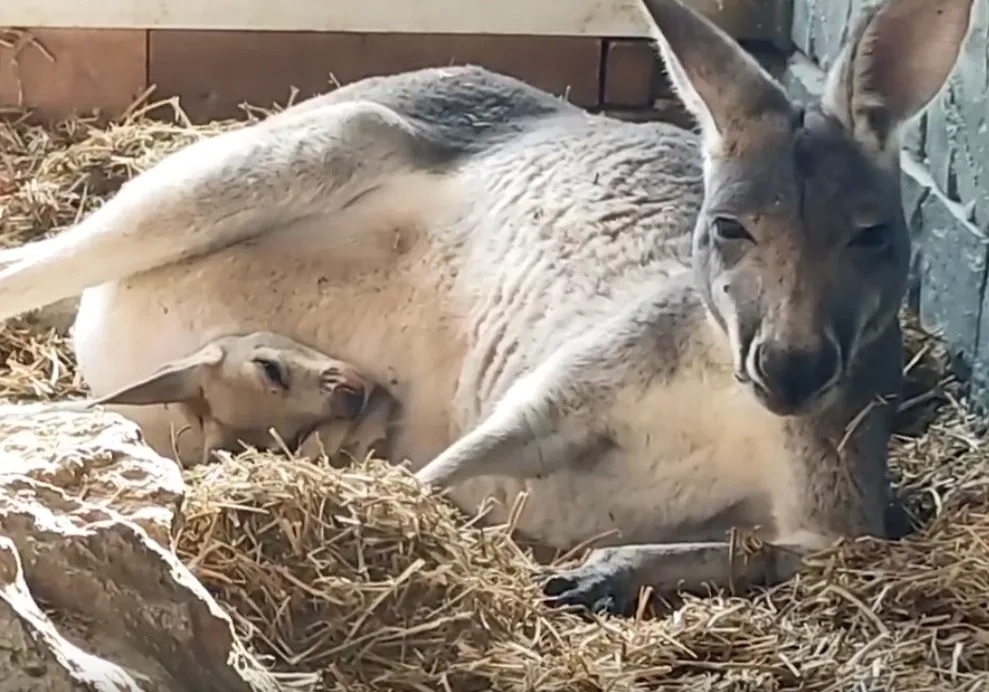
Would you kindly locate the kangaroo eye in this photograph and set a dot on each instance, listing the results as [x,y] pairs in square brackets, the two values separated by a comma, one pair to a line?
[871,237]
[272,371]
[728,230]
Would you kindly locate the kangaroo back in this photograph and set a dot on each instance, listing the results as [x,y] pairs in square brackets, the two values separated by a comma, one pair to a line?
[312,159]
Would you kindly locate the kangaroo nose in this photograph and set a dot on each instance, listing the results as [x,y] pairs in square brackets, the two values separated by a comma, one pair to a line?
[790,378]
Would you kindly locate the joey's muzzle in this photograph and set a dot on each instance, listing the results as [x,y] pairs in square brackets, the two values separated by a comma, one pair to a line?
[350,399]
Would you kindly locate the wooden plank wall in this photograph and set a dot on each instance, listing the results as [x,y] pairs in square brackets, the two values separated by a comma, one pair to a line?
[77,69]
[60,71]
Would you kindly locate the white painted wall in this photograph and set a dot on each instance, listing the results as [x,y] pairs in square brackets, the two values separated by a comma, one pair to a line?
[618,18]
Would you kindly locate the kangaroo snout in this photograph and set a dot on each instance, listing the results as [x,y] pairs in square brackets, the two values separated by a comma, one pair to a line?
[791,380]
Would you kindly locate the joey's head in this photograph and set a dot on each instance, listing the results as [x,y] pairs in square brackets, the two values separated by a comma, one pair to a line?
[240,388]
[801,249]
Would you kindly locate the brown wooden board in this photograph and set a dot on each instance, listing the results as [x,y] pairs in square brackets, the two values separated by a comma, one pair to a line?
[66,70]
[214,71]
[630,73]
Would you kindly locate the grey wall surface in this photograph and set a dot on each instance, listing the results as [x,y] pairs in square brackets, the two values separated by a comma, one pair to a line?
[945,181]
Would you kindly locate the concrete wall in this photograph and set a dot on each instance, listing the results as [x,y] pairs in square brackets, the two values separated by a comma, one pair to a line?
[945,182]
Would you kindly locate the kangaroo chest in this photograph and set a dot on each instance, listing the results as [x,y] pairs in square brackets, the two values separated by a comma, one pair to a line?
[690,460]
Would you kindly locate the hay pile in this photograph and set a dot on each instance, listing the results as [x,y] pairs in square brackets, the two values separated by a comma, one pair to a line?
[358,579]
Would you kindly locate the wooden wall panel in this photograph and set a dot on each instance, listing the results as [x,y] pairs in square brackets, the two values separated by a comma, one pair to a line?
[214,71]
[630,73]
[69,70]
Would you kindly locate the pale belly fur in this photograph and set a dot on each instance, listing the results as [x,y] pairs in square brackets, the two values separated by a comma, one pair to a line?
[699,445]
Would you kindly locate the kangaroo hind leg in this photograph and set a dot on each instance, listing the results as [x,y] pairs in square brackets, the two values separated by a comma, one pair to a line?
[222,190]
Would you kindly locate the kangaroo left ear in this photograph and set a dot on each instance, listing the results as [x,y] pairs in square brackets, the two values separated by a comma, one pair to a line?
[721,84]
[897,60]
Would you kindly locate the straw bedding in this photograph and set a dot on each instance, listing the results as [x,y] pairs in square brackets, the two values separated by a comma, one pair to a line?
[356,581]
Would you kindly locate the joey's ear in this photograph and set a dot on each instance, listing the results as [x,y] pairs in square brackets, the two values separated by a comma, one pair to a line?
[722,85]
[177,381]
[896,61]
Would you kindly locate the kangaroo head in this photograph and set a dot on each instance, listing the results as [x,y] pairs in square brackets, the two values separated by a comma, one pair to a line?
[801,249]
[238,388]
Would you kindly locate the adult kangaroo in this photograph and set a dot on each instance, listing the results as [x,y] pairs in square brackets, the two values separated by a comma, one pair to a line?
[653,332]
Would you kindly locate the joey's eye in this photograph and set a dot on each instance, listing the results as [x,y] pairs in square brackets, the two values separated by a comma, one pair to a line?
[728,230]
[272,371]
[870,237]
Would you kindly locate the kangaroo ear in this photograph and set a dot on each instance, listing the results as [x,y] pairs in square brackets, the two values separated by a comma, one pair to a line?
[721,84]
[177,381]
[897,60]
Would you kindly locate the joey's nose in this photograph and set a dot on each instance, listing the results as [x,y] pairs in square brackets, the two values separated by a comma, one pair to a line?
[354,400]
[788,379]
[349,399]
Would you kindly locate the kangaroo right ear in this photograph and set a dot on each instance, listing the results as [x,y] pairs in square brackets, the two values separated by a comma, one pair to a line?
[177,381]
[722,85]
[898,59]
